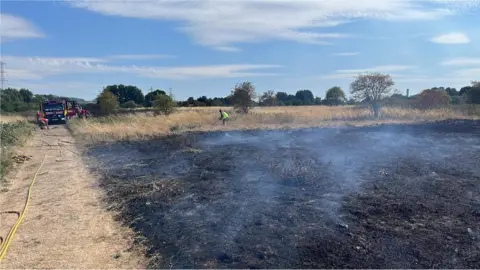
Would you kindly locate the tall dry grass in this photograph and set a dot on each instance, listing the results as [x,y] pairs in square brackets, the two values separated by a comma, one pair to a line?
[11,118]
[143,125]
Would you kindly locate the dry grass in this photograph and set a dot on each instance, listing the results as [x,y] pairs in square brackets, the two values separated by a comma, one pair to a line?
[9,118]
[145,125]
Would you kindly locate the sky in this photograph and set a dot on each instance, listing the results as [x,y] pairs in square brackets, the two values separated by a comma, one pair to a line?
[195,48]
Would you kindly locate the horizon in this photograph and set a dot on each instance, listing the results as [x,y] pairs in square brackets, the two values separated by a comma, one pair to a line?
[204,48]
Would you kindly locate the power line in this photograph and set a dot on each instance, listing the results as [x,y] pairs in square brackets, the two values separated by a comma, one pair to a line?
[3,73]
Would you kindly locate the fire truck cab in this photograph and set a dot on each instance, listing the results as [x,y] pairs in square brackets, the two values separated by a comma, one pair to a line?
[54,110]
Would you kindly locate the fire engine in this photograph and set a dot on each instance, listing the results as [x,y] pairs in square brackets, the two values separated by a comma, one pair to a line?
[72,108]
[54,110]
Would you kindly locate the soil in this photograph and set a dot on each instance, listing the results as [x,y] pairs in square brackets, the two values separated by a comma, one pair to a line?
[390,196]
[66,224]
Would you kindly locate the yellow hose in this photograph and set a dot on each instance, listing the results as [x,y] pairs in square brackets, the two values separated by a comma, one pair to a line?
[11,234]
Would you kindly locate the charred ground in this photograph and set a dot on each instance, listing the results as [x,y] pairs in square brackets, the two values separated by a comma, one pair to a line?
[404,196]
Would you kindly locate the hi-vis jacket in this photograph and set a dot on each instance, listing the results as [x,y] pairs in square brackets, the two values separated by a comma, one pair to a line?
[224,115]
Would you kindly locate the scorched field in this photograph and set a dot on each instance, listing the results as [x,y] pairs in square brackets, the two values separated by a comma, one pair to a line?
[390,196]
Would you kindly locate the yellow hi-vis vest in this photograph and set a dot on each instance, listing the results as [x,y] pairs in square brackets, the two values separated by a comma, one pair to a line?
[224,115]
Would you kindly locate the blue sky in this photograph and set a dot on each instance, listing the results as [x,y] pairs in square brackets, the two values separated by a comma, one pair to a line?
[205,47]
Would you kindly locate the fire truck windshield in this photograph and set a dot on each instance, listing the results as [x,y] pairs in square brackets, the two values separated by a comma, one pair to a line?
[53,107]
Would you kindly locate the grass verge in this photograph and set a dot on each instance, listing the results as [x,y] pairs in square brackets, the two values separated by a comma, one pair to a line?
[144,125]
[12,133]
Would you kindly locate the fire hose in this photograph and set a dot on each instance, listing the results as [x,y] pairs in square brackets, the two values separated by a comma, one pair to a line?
[8,240]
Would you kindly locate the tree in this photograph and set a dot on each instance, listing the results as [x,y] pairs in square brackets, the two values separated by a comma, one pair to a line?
[318,101]
[218,102]
[305,96]
[126,93]
[282,98]
[13,100]
[335,96]
[108,102]
[150,97]
[433,98]
[26,95]
[451,91]
[164,104]
[268,99]
[204,100]
[243,95]
[372,87]
[473,95]
[464,90]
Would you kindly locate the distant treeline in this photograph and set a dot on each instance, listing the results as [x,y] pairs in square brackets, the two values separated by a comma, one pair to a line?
[129,96]
[13,100]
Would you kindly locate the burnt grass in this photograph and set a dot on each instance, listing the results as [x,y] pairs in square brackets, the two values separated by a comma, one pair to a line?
[390,196]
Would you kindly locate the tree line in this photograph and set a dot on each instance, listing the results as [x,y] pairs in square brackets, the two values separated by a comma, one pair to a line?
[375,89]
[131,96]
[21,100]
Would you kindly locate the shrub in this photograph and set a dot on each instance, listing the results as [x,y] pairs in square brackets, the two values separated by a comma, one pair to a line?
[108,102]
[243,96]
[11,134]
[164,104]
[129,105]
[430,99]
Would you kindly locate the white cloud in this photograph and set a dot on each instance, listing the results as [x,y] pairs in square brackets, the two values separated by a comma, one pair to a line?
[140,56]
[43,67]
[384,68]
[219,71]
[471,73]
[227,49]
[61,88]
[456,79]
[13,27]
[222,23]
[461,61]
[451,38]
[346,54]
[350,73]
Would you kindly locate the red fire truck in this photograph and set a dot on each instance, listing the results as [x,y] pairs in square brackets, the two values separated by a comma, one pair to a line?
[54,111]
[72,108]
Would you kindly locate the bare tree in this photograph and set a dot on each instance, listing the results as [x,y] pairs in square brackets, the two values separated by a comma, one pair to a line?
[243,96]
[372,87]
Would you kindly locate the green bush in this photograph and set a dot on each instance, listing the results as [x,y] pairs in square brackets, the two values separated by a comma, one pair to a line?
[108,102]
[164,104]
[12,134]
[129,105]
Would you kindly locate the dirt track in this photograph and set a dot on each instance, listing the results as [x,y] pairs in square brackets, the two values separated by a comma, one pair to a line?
[376,197]
[66,225]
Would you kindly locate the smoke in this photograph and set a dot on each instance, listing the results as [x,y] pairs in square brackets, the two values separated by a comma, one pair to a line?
[242,189]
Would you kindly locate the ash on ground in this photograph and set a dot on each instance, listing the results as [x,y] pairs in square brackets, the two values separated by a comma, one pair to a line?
[405,196]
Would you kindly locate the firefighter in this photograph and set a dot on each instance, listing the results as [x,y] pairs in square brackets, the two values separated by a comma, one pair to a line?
[84,113]
[37,117]
[223,116]
[44,123]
